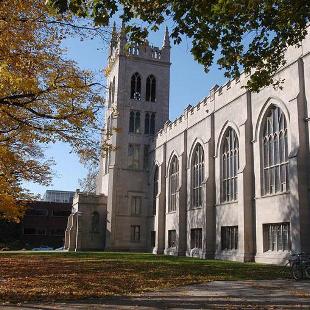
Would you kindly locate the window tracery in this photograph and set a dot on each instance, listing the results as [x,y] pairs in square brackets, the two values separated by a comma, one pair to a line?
[275,152]
[229,166]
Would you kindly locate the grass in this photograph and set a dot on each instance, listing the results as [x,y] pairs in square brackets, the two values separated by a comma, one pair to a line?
[56,276]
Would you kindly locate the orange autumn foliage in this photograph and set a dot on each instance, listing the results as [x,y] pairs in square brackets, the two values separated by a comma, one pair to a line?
[44,98]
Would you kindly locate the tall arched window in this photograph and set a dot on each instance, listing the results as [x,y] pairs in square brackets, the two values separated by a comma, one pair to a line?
[275,152]
[229,166]
[197,169]
[150,94]
[135,90]
[152,124]
[110,95]
[134,122]
[107,161]
[147,123]
[95,222]
[137,122]
[173,184]
[155,189]
[113,91]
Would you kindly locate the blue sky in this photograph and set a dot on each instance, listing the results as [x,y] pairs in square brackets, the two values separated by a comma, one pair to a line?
[188,85]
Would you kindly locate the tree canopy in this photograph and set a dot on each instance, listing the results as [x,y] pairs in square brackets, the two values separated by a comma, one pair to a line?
[44,98]
[249,34]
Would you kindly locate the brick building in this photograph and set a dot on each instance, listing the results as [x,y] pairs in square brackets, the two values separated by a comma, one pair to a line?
[44,223]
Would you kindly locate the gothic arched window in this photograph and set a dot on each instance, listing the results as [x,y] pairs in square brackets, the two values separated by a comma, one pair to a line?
[135,90]
[110,95]
[152,124]
[134,122]
[173,184]
[197,170]
[155,189]
[149,123]
[275,152]
[229,166]
[113,91]
[150,89]
[137,122]
[95,222]
[107,161]
[109,128]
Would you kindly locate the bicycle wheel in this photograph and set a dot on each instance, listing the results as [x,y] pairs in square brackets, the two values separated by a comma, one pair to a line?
[307,271]
[286,271]
[297,271]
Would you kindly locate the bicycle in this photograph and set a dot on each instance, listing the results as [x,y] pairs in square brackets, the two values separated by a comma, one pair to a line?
[300,266]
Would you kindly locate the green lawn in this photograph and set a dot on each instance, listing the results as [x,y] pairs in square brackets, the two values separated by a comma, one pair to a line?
[30,276]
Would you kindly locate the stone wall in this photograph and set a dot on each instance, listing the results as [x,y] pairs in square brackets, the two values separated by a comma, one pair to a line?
[86,229]
[232,106]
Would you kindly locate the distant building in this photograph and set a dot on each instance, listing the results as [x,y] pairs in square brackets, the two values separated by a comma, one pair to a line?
[58,196]
[44,223]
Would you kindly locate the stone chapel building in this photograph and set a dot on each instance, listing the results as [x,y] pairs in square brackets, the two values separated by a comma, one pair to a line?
[228,179]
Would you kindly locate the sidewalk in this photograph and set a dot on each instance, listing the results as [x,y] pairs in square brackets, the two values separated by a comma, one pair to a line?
[275,294]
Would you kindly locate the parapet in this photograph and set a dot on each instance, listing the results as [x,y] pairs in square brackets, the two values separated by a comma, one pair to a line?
[120,46]
[218,97]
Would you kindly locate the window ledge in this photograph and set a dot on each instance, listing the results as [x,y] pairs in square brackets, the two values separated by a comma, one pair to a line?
[195,208]
[233,251]
[196,249]
[171,212]
[280,252]
[272,195]
[227,203]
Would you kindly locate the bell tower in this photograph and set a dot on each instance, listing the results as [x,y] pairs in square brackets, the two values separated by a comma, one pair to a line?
[138,78]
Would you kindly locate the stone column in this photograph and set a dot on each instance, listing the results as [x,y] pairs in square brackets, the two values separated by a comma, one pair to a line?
[210,191]
[301,163]
[246,220]
[182,203]
[161,207]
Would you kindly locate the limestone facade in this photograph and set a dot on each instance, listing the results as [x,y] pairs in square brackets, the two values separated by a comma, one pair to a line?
[86,228]
[132,118]
[261,225]
[228,179]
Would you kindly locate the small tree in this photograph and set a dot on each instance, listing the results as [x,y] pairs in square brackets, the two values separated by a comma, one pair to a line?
[88,183]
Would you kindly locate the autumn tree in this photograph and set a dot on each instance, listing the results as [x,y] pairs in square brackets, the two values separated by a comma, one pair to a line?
[44,98]
[249,34]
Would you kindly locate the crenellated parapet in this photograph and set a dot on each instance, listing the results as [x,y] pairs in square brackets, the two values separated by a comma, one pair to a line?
[147,51]
[218,97]
[120,46]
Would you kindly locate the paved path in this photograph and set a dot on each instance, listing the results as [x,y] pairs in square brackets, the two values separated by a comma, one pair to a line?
[276,294]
